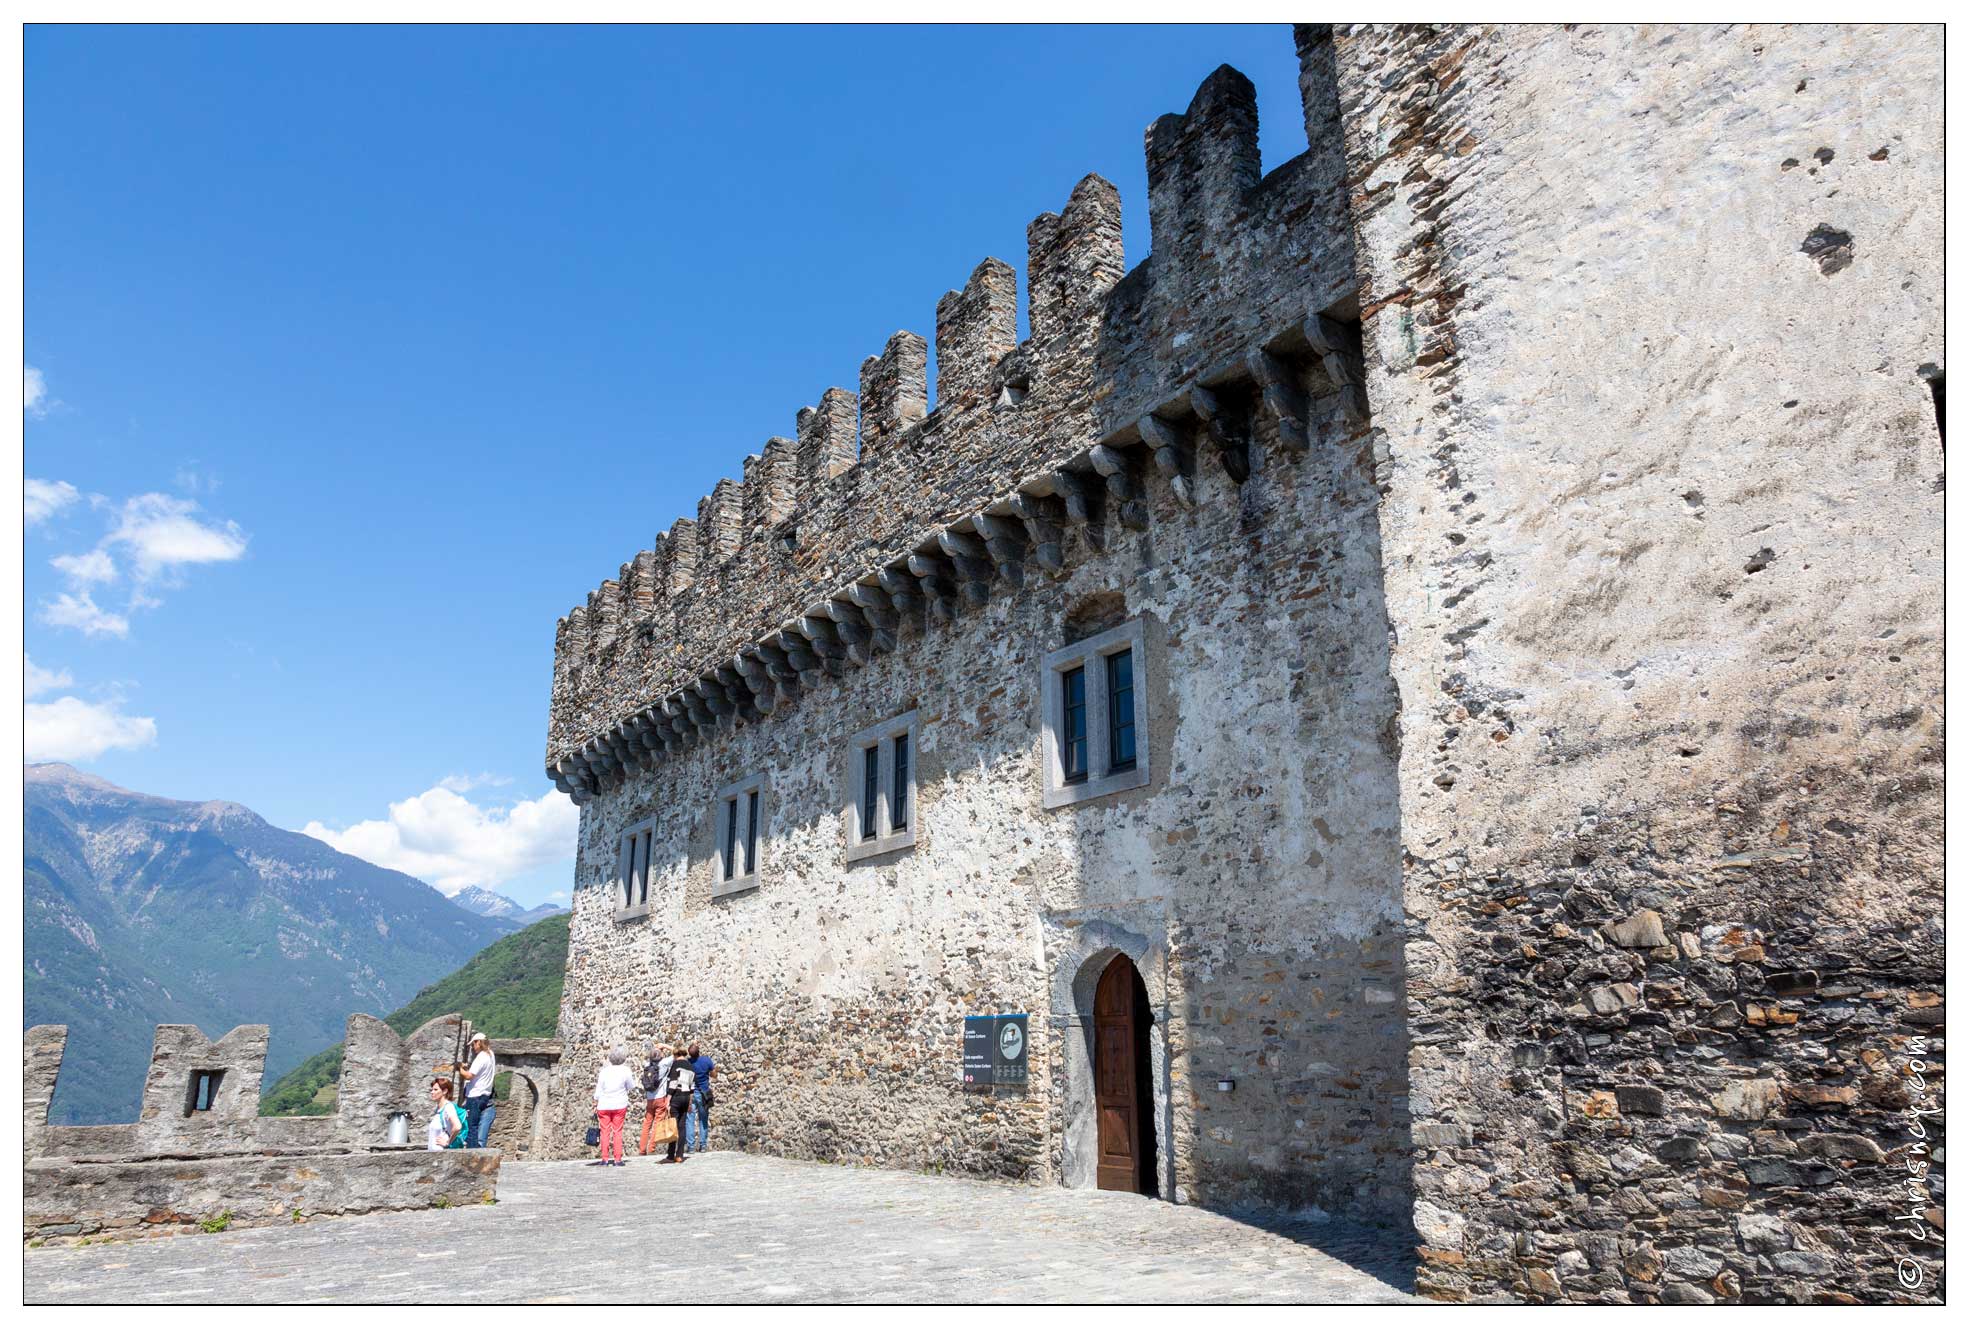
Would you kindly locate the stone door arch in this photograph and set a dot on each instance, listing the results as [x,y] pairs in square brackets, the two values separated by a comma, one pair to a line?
[1090,949]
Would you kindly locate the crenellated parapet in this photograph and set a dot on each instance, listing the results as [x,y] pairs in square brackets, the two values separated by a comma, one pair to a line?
[201,1096]
[200,1154]
[891,509]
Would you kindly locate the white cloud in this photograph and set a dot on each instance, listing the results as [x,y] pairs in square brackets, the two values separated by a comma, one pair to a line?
[41,680]
[162,535]
[557,895]
[446,839]
[84,569]
[70,729]
[44,498]
[80,611]
[194,481]
[34,392]
[464,784]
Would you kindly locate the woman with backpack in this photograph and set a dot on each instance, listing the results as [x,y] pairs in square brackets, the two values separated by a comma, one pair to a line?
[656,1093]
[446,1128]
[682,1081]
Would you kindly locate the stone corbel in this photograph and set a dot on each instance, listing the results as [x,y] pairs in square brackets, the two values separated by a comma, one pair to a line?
[698,708]
[717,699]
[778,662]
[656,731]
[1123,485]
[1005,541]
[683,728]
[1226,433]
[627,747]
[736,688]
[877,612]
[825,641]
[1081,492]
[1042,522]
[801,655]
[1283,398]
[904,592]
[765,694]
[1339,348]
[611,740]
[600,764]
[972,561]
[1167,447]
[939,582]
[854,630]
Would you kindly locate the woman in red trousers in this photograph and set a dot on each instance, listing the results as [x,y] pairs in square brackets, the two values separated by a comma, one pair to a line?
[612,1102]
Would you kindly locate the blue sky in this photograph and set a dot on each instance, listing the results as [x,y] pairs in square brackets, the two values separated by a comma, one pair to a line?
[360,355]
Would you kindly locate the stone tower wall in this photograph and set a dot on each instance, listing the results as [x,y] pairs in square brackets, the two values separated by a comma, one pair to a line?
[1649,316]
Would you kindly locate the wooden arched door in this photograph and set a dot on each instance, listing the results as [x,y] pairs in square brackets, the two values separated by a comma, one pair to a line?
[1121,1082]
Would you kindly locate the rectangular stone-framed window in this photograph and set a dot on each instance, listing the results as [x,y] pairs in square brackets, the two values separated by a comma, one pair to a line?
[880,810]
[631,885]
[1094,717]
[738,823]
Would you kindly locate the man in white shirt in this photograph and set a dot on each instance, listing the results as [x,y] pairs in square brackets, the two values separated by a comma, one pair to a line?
[478,1092]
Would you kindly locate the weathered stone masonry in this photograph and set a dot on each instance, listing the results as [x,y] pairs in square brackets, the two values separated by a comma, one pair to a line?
[1661,509]
[1543,822]
[1180,447]
[199,1153]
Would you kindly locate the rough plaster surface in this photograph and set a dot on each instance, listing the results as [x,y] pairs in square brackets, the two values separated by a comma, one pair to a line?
[1662,523]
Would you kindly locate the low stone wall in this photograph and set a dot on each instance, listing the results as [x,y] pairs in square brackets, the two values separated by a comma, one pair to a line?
[67,1199]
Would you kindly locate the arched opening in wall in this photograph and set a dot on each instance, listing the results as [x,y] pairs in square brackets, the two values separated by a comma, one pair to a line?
[518,1120]
[1124,1093]
[1092,614]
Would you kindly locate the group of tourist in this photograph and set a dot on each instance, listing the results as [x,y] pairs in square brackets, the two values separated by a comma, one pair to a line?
[677,1099]
[449,1128]
[676,1089]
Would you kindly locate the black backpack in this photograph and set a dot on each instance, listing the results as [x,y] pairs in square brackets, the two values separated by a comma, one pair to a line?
[652,1081]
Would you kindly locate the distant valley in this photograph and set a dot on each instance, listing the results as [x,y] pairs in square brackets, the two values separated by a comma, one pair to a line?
[142,910]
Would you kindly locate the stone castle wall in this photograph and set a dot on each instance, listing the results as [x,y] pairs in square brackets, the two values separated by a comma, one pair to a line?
[1253,880]
[1662,513]
[1589,614]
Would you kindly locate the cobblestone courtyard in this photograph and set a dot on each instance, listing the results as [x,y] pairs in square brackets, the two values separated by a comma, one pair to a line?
[738,1227]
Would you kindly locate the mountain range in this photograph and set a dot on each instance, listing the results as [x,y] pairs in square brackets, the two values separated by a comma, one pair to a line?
[142,910]
[491,904]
